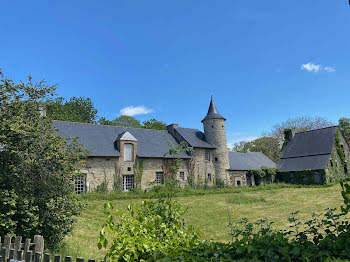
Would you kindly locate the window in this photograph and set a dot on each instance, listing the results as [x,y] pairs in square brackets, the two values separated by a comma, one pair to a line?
[207,155]
[216,159]
[209,177]
[80,184]
[128,182]
[129,168]
[331,161]
[182,175]
[238,183]
[159,178]
[128,152]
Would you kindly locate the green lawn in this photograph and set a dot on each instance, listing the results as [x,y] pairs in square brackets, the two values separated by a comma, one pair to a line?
[209,213]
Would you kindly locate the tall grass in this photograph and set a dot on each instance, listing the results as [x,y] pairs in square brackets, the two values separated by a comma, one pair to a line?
[186,192]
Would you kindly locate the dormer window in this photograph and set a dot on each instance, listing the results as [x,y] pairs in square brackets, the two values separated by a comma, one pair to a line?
[128,152]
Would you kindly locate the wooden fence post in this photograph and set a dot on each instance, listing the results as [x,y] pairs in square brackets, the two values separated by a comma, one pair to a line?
[47,257]
[39,244]
[28,257]
[37,257]
[19,255]
[3,254]
[57,258]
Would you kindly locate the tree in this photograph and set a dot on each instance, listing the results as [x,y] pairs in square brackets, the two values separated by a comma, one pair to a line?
[154,124]
[298,124]
[241,146]
[344,124]
[77,109]
[123,120]
[36,166]
[269,146]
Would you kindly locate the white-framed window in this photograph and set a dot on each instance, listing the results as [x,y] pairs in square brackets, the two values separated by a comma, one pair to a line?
[159,178]
[128,152]
[209,177]
[128,182]
[182,175]
[238,182]
[207,155]
[80,184]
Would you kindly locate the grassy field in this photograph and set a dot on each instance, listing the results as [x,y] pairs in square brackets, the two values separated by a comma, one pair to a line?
[209,213]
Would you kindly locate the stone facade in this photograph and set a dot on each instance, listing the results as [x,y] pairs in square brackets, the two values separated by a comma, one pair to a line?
[237,178]
[204,167]
[98,170]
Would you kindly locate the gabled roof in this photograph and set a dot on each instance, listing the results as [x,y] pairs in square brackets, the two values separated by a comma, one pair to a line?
[194,137]
[213,113]
[126,136]
[310,150]
[249,161]
[99,139]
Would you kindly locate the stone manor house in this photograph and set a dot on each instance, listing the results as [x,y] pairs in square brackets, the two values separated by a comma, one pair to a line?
[126,158]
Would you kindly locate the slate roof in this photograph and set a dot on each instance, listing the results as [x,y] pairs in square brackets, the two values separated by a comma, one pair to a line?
[213,113]
[194,137]
[249,161]
[99,139]
[310,150]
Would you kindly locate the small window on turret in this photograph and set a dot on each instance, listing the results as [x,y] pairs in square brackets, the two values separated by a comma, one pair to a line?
[216,159]
[207,155]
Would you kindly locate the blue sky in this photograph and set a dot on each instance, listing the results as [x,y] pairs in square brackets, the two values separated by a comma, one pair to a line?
[264,61]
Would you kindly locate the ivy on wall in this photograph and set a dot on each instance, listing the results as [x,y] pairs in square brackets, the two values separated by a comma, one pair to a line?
[138,172]
[263,175]
[340,150]
[305,177]
[117,183]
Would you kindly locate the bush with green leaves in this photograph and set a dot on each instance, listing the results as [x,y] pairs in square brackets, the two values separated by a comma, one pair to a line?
[36,166]
[263,175]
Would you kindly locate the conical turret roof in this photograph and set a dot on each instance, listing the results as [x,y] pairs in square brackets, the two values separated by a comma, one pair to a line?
[213,113]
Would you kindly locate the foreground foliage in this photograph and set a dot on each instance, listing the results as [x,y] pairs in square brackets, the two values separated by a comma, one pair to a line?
[154,231]
[36,166]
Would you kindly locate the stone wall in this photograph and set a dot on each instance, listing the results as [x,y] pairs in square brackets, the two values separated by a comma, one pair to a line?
[153,165]
[98,170]
[201,167]
[237,178]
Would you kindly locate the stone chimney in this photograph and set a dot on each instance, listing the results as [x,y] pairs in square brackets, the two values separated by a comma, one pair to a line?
[288,134]
[42,110]
[171,128]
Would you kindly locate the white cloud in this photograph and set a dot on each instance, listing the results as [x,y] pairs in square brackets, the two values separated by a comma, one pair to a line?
[231,143]
[310,67]
[329,69]
[136,110]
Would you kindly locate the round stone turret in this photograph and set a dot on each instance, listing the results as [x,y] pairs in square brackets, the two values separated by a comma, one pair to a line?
[215,134]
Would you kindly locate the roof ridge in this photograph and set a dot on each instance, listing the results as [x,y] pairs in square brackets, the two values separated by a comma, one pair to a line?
[315,129]
[107,125]
[321,154]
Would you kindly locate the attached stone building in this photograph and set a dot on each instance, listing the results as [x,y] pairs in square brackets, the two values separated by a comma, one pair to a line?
[125,158]
[317,156]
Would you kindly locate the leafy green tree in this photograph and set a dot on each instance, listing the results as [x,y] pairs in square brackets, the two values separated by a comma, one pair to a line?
[154,124]
[123,120]
[344,124]
[269,146]
[77,109]
[36,166]
[241,146]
